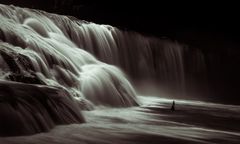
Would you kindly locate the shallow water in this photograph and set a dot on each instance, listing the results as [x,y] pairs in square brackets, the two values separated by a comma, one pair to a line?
[151,123]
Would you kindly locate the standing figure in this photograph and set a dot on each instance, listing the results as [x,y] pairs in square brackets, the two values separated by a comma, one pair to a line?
[173,106]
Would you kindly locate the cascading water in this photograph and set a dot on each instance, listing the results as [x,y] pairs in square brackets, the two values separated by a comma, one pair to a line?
[43,50]
[37,51]
[143,58]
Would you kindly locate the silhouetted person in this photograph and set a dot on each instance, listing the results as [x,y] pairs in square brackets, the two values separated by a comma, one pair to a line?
[173,106]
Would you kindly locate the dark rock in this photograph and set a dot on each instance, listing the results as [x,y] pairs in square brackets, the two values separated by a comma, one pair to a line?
[28,109]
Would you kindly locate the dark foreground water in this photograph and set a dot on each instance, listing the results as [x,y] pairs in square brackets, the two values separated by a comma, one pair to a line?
[151,123]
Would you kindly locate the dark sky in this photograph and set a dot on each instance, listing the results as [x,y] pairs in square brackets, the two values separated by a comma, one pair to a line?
[184,21]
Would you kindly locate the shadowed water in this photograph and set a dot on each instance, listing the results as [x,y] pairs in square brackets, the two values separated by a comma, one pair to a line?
[152,122]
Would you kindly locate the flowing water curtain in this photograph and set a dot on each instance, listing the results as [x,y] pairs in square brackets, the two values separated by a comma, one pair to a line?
[141,57]
[54,58]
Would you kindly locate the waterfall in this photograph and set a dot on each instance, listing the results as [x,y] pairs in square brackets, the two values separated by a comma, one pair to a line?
[141,57]
[47,76]
[34,45]
[54,57]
